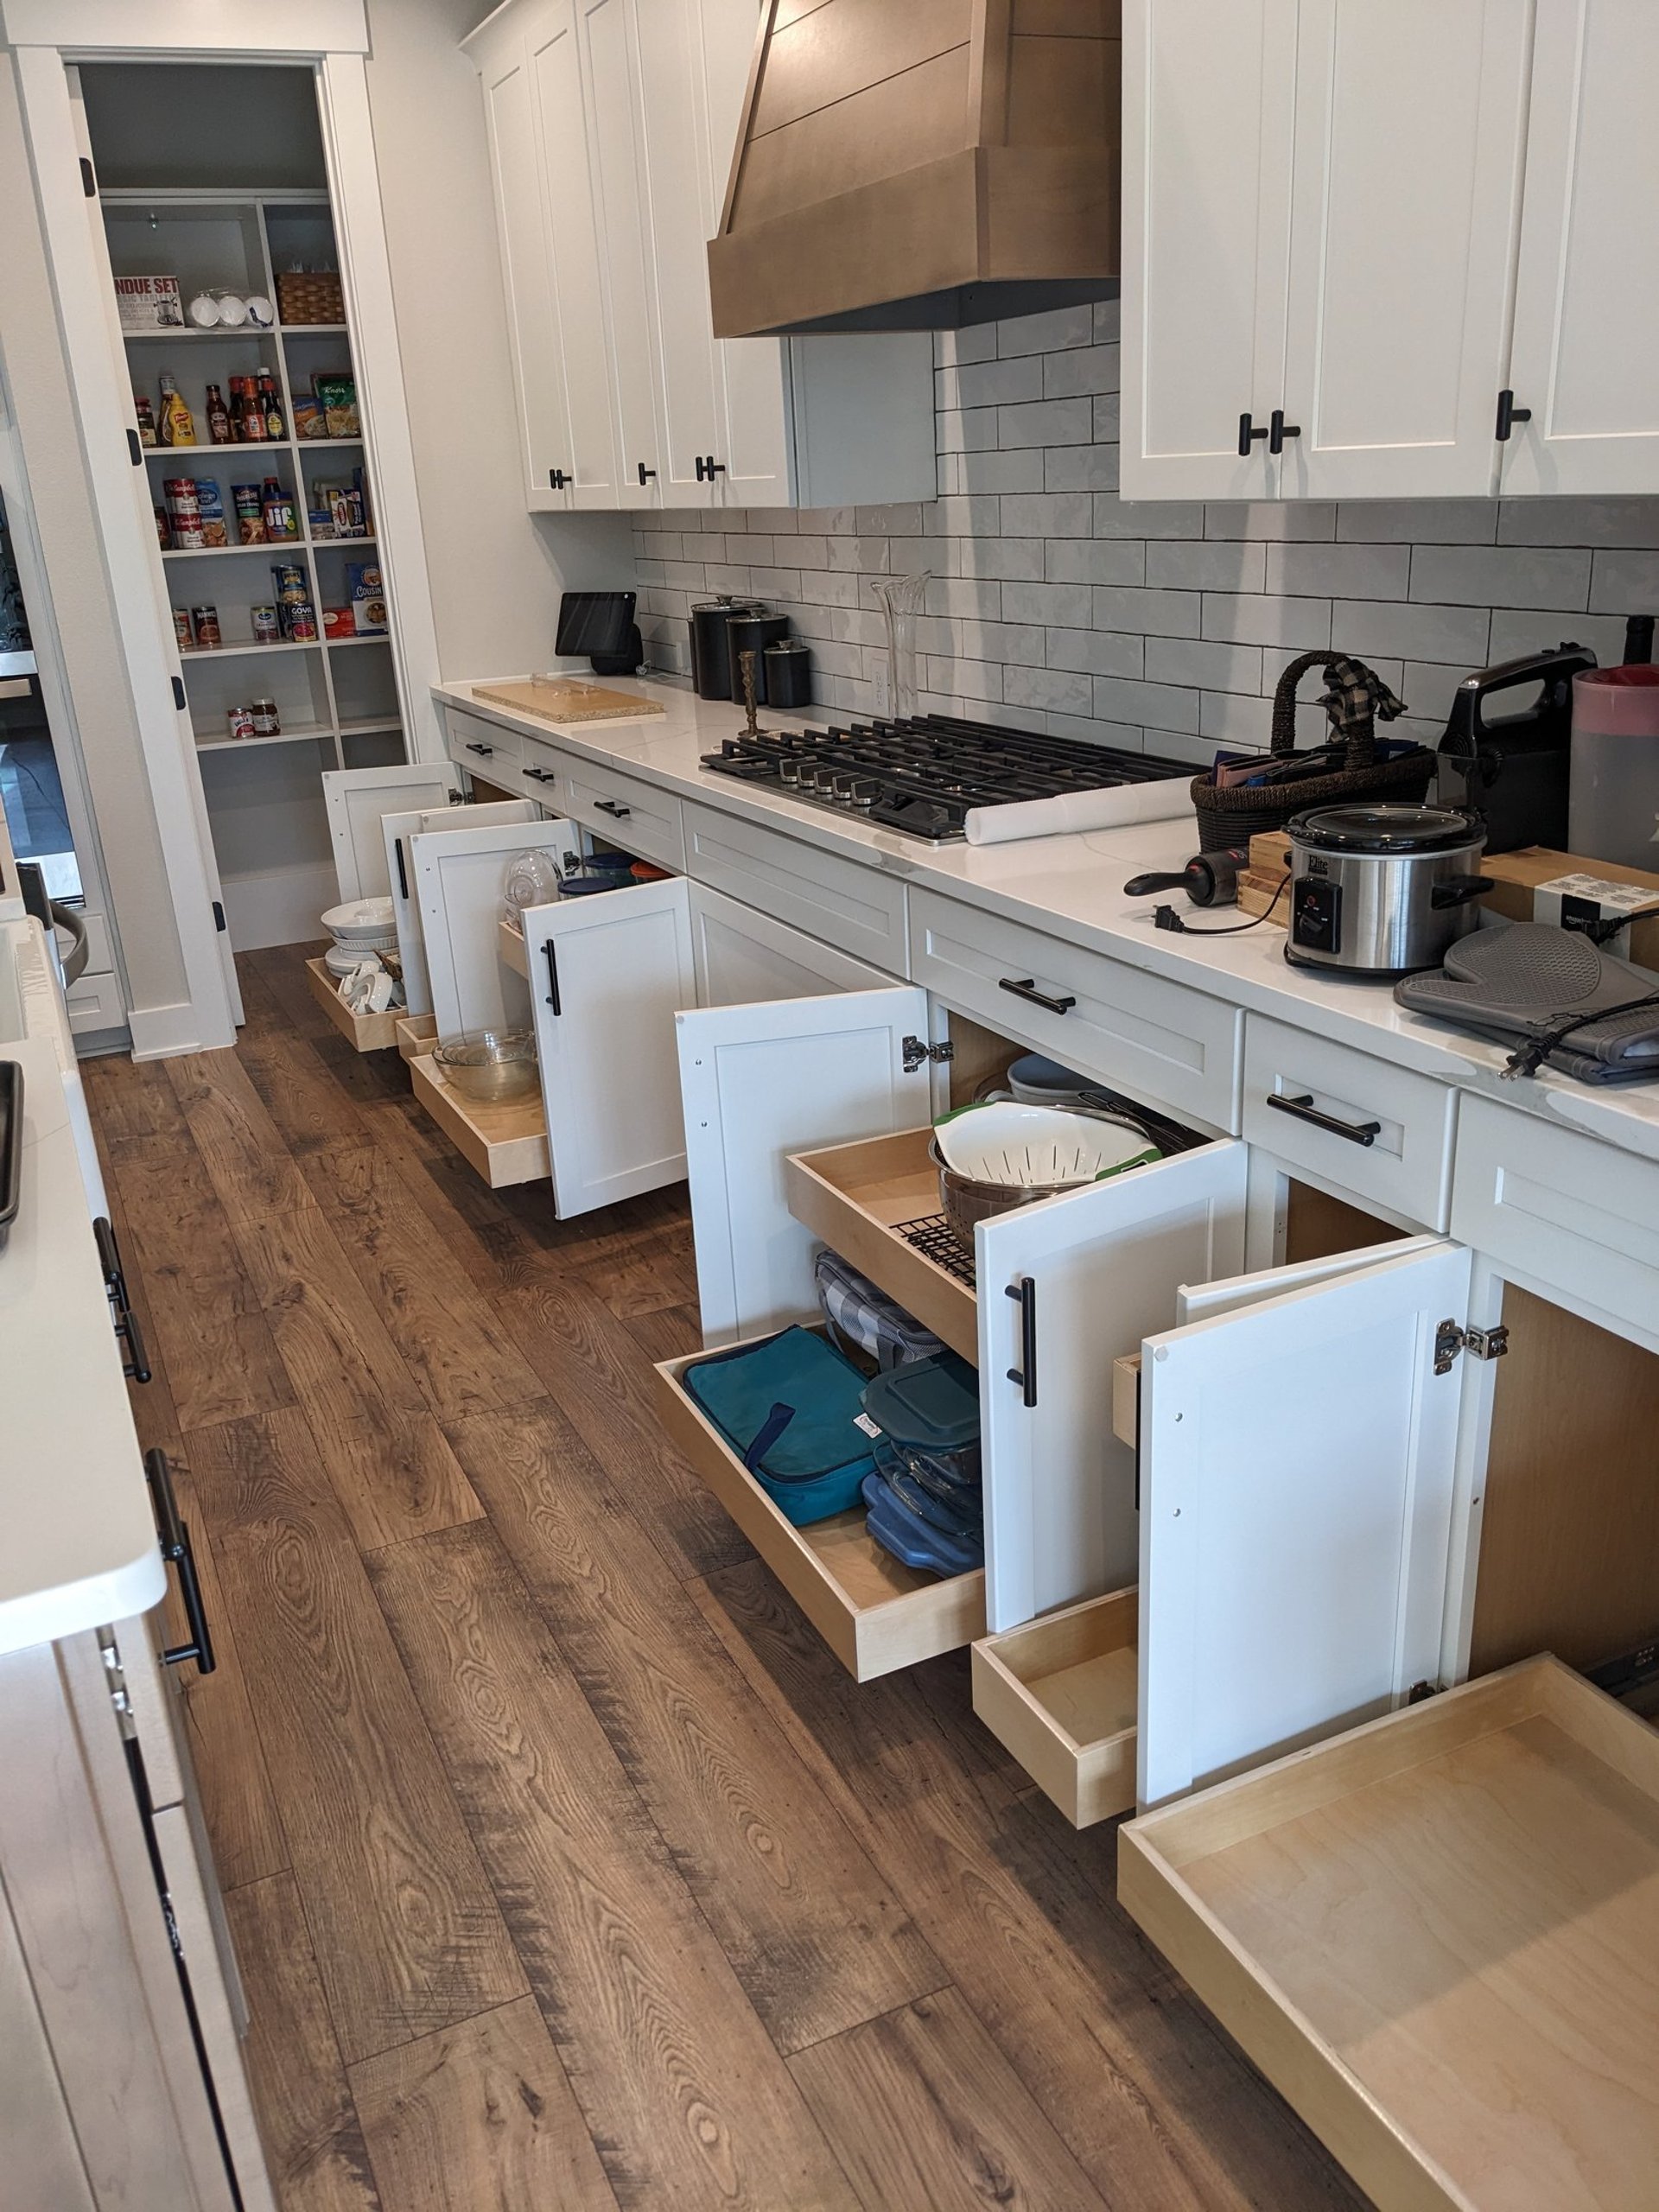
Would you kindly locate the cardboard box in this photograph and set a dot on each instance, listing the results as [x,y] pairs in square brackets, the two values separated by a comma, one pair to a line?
[149,303]
[1518,875]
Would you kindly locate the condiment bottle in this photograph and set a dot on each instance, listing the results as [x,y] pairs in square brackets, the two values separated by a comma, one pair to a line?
[146,421]
[270,399]
[218,420]
[177,426]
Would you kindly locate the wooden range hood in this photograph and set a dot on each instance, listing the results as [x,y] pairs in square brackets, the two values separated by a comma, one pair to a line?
[920,165]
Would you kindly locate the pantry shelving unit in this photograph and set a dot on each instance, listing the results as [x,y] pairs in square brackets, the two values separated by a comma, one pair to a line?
[337,698]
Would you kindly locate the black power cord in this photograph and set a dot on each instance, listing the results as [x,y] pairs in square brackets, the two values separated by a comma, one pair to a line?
[1165,918]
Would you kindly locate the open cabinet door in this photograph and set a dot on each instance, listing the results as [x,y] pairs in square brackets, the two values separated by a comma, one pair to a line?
[1296,1471]
[1066,1287]
[457,872]
[397,832]
[357,798]
[607,975]
[757,1083]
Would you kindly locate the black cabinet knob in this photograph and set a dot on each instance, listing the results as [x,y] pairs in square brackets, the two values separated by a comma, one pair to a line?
[1508,415]
[1279,431]
[645,474]
[1247,435]
[556,479]
[709,468]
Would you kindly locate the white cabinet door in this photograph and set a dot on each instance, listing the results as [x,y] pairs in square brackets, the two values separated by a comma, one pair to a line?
[510,103]
[594,461]
[457,874]
[1587,309]
[397,833]
[612,156]
[1296,1465]
[1209,89]
[1410,124]
[757,1083]
[356,798]
[607,975]
[1066,1288]
[742,954]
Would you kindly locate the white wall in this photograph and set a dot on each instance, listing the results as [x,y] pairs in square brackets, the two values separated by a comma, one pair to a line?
[496,571]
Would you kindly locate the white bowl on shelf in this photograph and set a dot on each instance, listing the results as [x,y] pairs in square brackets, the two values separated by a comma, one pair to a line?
[362,925]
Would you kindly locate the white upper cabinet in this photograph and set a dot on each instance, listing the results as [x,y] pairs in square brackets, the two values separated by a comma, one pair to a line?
[612,124]
[1586,314]
[1402,241]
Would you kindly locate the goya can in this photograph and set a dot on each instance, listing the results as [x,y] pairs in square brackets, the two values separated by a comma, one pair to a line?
[302,621]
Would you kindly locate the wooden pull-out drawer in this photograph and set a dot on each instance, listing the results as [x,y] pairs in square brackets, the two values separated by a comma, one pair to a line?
[624,811]
[1060,1693]
[874,1614]
[1381,1131]
[504,1143]
[1170,1046]
[857,1196]
[852,904]
[1438,1937]
[369,1032]
[414,1034]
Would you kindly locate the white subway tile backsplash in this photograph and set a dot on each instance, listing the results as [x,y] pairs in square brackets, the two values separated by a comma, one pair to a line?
[1501,575]
[1056,606]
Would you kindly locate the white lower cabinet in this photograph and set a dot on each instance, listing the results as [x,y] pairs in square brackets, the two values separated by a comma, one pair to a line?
[455,871]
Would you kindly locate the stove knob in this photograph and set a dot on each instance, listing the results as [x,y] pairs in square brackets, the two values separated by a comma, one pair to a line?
[865,790]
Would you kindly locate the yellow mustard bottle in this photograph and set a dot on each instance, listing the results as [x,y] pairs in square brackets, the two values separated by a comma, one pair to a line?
[177,425]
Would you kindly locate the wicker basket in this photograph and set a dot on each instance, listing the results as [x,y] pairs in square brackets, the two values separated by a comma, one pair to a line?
[1235,814]
[309,295]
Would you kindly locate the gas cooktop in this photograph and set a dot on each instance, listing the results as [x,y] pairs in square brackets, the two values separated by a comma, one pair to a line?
[922,774]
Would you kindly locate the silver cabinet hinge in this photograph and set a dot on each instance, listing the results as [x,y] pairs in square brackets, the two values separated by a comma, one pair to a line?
[1482,1344]
[917,1054]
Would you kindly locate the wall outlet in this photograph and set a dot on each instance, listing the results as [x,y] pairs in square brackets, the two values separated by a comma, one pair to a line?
[881,685]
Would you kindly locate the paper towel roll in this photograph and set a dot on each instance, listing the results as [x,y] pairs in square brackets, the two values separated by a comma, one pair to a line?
[1167,798]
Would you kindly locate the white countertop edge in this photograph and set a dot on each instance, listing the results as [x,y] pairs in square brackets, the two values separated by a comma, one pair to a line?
[1249,972]
[66,1608]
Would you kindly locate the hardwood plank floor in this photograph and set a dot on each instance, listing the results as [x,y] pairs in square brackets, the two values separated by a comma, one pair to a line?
[566,1867]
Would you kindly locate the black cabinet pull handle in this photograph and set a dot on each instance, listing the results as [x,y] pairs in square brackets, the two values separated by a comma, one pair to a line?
[135,1364]
[709,468]
[1025,988]
[1246,435]
[1508,414]
[645,474]
[557,479]
[402,879]
[1279,431]
[542,775]
[552,978]
[471,748]
[175,1537]
[1024,1293]
[1304,1109]
[609,806]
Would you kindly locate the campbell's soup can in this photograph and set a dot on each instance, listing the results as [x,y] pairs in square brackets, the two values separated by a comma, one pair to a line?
[239,720]
[267,624]
[180,493]
[204,620]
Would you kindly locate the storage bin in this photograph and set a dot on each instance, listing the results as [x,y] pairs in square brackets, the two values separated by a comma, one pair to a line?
[866,1319]
[791,1406]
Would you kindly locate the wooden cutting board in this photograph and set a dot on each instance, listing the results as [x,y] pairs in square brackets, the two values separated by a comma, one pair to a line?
[575,702]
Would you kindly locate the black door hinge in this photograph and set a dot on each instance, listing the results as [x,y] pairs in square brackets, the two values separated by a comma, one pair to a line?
[88,182]
[218,916]
[917,1054]
[135,450]
[1420,1692]
[178,693]
[1482,1344]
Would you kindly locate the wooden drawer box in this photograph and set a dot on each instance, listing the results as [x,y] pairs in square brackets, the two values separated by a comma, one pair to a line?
[624,811]
[505,1142]
[1438,1937]
[369,1032]
[1166,1045]
[854,1195]
[1405,1166]
[1060,1693]
[1569,1217]
[852,904]
[874,1614]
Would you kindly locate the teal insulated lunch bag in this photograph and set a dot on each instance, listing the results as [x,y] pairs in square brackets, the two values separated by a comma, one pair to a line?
[791,1408]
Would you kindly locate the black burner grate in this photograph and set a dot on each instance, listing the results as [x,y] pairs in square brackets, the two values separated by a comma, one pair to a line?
[935,1239]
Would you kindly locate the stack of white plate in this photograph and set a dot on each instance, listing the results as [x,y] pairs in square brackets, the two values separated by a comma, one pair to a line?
[361,925]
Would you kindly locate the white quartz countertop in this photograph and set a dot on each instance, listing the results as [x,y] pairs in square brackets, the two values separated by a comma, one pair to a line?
[1073,887]
[77,1537]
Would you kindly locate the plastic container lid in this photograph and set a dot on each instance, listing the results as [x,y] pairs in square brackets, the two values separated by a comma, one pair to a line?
[934,1403]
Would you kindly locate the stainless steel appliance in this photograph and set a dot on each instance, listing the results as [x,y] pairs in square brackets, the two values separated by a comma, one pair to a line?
[1382,890]
[921,775]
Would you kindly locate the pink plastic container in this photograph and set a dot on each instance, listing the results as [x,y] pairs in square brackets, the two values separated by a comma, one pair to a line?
[1614,805]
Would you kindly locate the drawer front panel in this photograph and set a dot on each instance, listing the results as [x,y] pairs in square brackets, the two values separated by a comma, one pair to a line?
[1576,1216]
[849,903]
[624,811]
[95,1002]
[1168,1045]
[1408,1119]
[486,748]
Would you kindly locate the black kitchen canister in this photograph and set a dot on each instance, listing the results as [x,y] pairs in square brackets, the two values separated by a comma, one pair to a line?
[786,668]
[753,633]
[712,674]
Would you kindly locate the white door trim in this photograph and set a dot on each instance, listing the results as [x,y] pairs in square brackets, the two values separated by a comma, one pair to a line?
[297,30]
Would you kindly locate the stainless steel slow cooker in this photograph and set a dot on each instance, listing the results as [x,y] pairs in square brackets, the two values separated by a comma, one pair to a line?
[1382,890]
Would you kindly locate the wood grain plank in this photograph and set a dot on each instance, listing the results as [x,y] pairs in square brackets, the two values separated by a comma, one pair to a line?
[205,1320]
[670,1333]
[479,2118]
[408,1936]
[594,1372]
[131,1100]
[686,2100]
[812,1929]
[923,2111]
[462,1357]
[312,1109]
[1148,2097]
[391,1466]
[241,1147]
[312,2141]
